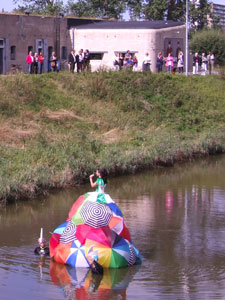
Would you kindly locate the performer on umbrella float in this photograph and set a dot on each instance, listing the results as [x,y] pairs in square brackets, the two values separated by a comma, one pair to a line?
[42,249]
[101,181]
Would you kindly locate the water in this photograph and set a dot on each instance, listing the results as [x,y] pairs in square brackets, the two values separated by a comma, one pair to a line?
[176,219]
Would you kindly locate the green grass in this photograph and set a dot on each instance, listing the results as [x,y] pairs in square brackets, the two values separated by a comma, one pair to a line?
[55,129]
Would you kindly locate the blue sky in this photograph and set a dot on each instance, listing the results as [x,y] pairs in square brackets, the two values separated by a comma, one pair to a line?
[8,5]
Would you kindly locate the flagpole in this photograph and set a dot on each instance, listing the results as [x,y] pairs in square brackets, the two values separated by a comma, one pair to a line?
[187,48]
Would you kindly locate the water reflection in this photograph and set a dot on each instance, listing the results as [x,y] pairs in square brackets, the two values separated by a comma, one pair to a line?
[81,284]
[176,219]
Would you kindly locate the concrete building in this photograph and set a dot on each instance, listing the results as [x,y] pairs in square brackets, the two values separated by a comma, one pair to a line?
[20,34]
[103,39]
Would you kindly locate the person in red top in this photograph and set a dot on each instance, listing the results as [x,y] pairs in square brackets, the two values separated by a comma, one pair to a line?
[30,61]
[40,63]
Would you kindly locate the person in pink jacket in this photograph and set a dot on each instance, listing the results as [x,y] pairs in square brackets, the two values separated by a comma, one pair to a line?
[169,63]
[30,61]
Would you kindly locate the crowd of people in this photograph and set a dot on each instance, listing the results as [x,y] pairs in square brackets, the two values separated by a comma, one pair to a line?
[203,64]
[80,61]
[35,62]
[128,60]
[123,61]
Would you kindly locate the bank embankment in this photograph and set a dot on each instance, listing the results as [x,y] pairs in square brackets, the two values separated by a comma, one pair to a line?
[56,129]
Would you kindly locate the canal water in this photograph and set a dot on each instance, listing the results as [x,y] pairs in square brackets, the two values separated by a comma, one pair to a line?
[176,217]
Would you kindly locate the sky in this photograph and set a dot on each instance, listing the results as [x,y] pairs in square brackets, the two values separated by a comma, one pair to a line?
[8,5]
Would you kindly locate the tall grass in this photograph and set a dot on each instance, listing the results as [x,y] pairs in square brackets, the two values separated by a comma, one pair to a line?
[55,129]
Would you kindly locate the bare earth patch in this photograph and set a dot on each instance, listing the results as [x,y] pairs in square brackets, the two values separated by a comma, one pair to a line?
[60,115]
[113,135]
[15,135]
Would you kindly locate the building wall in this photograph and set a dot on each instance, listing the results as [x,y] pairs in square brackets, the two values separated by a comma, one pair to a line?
[219,11]
[23,31]
[110,41]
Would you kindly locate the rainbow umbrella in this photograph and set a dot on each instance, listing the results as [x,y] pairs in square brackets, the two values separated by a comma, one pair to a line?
[113,253]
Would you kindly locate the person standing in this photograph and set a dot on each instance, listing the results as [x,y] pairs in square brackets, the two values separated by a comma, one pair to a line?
[196,63]
[135,63]
[40,63]
[180,63]
[116,62]
[35,63]
[169,63]
[72,61]
[211,60]
[80,60]
[147,62]
[204,64]
[121,59]
[159,62]
[53,61]
[30,62]
[86,60]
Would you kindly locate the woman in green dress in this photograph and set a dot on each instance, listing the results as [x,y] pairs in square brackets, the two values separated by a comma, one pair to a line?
[101,181]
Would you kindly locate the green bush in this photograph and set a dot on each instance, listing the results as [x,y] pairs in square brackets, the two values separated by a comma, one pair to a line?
[209,40]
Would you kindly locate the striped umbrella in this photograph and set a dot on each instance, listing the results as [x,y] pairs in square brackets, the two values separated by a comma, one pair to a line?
[68,234]
[93,214]
[77,256]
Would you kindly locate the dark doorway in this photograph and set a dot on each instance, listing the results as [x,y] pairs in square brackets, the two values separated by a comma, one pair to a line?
[1,60]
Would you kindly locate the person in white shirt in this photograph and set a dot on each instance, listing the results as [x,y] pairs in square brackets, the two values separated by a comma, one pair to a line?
[146,62]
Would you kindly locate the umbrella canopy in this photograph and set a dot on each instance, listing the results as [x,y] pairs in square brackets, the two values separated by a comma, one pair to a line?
[77,257]
[68,234]
[94,214]
[115,254]
[102,234]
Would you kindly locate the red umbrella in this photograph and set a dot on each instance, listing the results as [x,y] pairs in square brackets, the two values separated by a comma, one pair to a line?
[102,234]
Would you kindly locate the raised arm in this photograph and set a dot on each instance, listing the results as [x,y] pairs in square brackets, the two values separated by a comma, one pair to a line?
[93,184]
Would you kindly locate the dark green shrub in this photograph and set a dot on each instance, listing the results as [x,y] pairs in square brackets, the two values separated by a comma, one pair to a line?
[209,40]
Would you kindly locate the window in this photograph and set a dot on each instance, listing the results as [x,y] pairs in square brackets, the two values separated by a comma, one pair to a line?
[1,43]
[64,53]
[50,50]
[13,52]
[30,48]
[98,55]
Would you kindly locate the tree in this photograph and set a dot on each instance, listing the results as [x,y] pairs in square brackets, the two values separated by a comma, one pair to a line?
[199,13]
[175,10]
[134,8]
[97,8]
[213,40]
[41,7]
[155,9]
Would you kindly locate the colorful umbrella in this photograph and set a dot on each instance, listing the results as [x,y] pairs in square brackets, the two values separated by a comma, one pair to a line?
[68,234]
[115,253]
[95,222]
[102,234]
[77,257]
[94,214]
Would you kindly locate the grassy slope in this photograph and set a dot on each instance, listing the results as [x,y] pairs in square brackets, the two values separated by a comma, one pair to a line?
[55,129]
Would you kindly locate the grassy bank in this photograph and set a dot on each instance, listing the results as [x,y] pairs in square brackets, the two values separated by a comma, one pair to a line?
[55,129]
